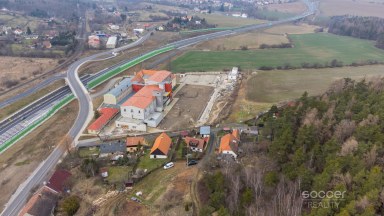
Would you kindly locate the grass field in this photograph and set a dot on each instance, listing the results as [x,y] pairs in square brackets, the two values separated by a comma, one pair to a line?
[19,21]
[227,21]
[118,174]
[262,90]
[310,48]
[275,86]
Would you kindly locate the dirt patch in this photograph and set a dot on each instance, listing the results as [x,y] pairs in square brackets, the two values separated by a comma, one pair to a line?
[292,29]
[15,70]
[22,158]
[187,110]
[293,7]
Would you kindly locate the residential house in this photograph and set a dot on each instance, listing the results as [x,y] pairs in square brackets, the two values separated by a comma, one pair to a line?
[47,44]
[59,181]
[107,114]
[94,41]
[18,32]
[133,143]
[42,203]
[196,144]
[161,146]
[114,149]
[229,144]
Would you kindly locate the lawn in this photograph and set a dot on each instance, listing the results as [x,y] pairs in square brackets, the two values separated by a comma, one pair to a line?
[117,174]
[88,152]
[227,21]
[311,48]
[150,164]
[280,85]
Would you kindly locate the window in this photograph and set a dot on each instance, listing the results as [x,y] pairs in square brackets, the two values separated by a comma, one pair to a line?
[125,110]
[131,110]
[139,111]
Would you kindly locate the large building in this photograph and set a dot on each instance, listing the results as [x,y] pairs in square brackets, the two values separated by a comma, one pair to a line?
[153,92]
[121,90]
[111,43]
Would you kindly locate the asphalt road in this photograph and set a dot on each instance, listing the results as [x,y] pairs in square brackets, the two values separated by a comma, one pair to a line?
[85,113]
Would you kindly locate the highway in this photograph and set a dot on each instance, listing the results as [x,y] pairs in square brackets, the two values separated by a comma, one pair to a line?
[85,104]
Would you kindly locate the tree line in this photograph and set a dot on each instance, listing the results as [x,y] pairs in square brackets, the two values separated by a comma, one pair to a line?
[370,28]
[332,142]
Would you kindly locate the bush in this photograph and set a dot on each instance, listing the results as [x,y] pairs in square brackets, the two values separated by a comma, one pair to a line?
[70,205]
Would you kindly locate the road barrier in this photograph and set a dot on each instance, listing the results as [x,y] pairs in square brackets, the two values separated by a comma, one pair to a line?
[92,84]
[205,30]
[37,123]
[99,80]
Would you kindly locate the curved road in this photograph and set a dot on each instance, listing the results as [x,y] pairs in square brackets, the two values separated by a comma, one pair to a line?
[85,114]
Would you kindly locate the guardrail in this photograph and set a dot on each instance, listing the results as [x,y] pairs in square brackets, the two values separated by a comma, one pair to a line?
[205,30]
[34,125]
[99,80]
[90,85]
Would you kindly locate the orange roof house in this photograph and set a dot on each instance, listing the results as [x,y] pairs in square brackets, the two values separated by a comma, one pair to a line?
[229,144]
[195,144]
[161,146]
[133,142]
[106,115]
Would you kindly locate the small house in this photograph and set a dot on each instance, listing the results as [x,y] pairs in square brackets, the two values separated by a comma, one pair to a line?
[161,146]
[229,144]
[195,144]
[133,143]
[42,203]
[59,181]
[108,149]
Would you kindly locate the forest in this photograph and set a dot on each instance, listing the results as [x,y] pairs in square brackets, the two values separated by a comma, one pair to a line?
[329,143]
[371,28]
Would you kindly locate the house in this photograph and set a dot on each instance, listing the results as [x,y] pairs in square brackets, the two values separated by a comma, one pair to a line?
[94,41]
[205,131]
[42,203]
[58,181]
[18,32]
[161,146]
[195,144]
[121,90]
[233,74]
[107,114]
[107,149]
[229,144]
[132,143]
[138,31]
[47,45]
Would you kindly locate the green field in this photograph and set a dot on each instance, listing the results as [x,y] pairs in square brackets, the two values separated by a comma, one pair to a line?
[311,48]
[227,21]
[280,85]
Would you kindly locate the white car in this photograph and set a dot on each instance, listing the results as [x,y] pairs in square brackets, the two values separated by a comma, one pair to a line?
[169,165]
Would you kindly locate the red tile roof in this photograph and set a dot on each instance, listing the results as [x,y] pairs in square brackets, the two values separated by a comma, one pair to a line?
[143,98]
[139,76]
[106,115]
[135,141]
[160,76]
[195,142]
[163,143]
[229,143]
[58,180]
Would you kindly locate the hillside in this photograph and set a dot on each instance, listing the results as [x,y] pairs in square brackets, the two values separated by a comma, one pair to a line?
[318,147]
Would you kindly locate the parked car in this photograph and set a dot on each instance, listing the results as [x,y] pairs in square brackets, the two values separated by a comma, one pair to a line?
[135,199]
[169,165]
[191,163]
